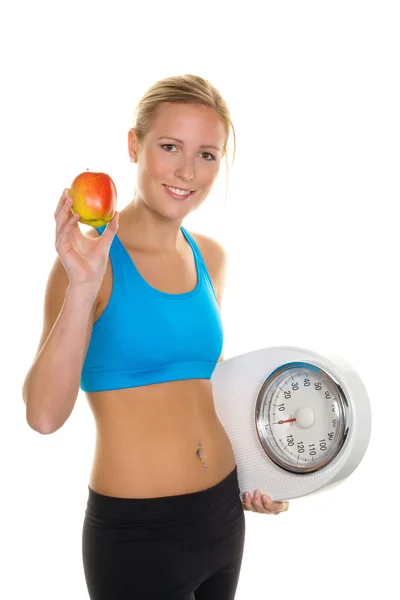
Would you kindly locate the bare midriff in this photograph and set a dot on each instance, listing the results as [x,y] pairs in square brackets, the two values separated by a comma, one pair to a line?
[148,438]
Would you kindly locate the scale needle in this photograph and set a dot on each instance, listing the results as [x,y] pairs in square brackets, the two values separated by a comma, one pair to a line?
[286,421]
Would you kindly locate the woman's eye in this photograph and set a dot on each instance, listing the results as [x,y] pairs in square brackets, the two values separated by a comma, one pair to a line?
[166,147]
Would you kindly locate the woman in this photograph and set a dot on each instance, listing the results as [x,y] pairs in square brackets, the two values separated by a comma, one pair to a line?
[134,319]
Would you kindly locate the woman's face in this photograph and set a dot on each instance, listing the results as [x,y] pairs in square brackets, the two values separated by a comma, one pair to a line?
[183,150]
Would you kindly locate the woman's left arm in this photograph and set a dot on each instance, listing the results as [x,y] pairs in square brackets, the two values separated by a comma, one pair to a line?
[218,260]
[221,261]
[221,279]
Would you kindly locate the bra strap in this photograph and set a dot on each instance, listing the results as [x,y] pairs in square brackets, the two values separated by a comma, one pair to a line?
[200,258]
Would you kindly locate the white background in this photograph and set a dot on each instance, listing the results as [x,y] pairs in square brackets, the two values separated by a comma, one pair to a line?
[311,230]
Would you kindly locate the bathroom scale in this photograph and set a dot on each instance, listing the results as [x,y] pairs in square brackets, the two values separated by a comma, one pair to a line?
[299,422]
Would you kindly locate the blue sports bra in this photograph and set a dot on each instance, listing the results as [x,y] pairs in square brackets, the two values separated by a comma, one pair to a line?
[147,336]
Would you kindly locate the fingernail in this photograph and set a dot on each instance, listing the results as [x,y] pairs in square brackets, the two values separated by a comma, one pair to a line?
[256,494]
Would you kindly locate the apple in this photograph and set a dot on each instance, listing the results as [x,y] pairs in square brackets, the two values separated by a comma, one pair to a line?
[94,197]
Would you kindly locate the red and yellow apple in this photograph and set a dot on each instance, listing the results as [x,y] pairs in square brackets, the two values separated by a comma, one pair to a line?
[94,197]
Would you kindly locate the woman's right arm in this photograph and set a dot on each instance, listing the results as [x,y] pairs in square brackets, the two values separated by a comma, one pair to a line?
[51,386]
[52,383]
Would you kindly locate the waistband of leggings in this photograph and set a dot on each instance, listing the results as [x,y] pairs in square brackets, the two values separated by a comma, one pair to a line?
[165,506]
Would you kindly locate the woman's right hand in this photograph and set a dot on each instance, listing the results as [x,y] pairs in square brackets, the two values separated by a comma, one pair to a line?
[85,259]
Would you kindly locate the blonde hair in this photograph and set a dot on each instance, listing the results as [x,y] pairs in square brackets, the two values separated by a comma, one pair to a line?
[184,89]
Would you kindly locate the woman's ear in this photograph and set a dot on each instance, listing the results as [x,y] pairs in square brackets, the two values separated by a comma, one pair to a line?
[132,145]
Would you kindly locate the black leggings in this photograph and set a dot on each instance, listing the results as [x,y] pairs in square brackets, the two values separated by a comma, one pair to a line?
[184,547]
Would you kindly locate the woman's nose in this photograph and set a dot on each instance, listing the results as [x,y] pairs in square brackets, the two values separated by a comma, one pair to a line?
[186,170]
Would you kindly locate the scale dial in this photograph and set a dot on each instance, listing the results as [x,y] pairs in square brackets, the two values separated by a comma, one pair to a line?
[301,417]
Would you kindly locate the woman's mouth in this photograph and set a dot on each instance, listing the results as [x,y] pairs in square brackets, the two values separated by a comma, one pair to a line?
[177,193]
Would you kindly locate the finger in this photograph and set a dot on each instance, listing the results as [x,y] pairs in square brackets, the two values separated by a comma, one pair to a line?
[110,231]
[65,231]
[269,504]
[274,507]
[256,501]
[278,512]
[247,503]
[259,503]
[60,203]
[63,215]
[280,506]
[113,224]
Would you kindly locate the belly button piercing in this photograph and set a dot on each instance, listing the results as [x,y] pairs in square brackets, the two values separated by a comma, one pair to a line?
[200,454]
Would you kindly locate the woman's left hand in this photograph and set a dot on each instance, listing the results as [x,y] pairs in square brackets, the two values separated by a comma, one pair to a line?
[262,503]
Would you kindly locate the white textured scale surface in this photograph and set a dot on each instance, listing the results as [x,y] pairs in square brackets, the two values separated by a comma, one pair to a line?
[236,383]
